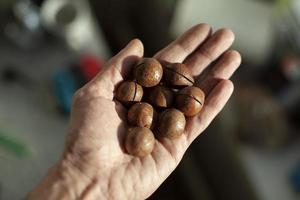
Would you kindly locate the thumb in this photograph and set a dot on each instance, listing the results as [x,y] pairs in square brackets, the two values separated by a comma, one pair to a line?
[124,60]
[116,69]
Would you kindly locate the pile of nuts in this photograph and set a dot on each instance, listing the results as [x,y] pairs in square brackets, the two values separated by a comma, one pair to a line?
[159,98]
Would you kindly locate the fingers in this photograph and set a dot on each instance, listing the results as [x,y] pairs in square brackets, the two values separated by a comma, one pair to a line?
[178,50]
[215,46]
[223,69]
[212,106]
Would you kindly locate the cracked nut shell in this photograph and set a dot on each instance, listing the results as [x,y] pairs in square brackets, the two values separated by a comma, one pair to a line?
[141,114]
[190,100]
[129,92]
[171,123]
[178,75]
[161,96]
[139,141]
[148,72]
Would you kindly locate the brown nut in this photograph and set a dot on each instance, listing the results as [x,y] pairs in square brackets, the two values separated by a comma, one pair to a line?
[129,92]
[161,96]
[190,100]
[148,72]
[178,75]
[139,141]
[171,123]
[141,114]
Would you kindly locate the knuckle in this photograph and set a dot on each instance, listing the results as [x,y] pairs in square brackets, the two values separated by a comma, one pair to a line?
[85,92]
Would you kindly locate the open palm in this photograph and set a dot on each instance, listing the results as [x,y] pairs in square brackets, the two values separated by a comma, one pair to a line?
[94,144]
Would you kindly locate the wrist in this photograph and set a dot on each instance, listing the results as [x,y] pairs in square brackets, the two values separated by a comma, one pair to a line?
[63,181]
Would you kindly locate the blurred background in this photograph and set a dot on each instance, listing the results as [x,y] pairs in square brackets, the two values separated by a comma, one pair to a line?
[50,48]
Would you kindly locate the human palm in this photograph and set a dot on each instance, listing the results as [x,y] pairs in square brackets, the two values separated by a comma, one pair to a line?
[95,147]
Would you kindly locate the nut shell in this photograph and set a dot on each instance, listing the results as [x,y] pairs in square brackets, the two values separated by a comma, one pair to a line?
[161,96]
[190,100]
[178,75]
[171,123]
[129,92]
[139,141]
[141,115]
[148,72]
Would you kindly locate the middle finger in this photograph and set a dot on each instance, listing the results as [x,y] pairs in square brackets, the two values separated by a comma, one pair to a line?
[214,47]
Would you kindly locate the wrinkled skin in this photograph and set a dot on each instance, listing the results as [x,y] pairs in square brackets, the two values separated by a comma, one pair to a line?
[94,164]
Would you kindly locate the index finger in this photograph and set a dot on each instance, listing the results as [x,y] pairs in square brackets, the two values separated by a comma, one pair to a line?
[183,46]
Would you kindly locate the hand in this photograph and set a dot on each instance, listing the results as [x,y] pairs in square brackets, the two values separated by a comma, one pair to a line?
[94,164]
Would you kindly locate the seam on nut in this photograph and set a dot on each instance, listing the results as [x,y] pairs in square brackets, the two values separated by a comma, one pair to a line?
[192,97]
[139,64]
[135,91]
[167,68]
[196,100]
